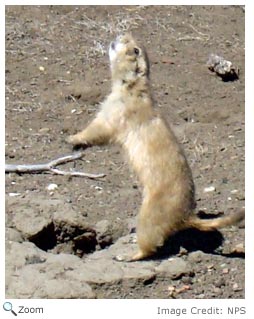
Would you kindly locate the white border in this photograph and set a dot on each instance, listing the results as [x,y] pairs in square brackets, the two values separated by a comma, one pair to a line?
[148,308]
[249,172]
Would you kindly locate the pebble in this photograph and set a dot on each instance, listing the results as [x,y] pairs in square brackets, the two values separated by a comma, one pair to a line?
[52,187]
[236,287]
[44,130]
[217,290]
[239,248]
[209,189]
[210,267]
[14,194]
[225,270]
[220,282]
[187,280]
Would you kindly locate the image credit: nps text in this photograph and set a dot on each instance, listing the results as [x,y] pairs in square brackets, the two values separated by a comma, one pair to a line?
[201,311]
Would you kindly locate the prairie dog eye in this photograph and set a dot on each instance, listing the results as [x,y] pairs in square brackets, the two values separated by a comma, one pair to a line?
[136,51]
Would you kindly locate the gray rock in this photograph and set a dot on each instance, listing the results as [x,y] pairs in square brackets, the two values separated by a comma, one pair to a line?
[104,233]
[12,234]
[18,256]
[65,289]
[98,272]
[48,279]
[104,261]
[30,222]
[175,268]
[33,273]
[196,256]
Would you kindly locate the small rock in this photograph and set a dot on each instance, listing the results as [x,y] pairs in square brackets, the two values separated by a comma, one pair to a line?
[173,291]
[41,68]
[209,189]
[210,268]
[183,252]
[98,188]
[223,68]
[240,197]
[171,288]
[220,282]
[217,290]
[238,249]
[14,194]
[196,256]
[119,258]
[52,187]
[236,287]
[44,130]
[187,280]
[183,288]
[225,270]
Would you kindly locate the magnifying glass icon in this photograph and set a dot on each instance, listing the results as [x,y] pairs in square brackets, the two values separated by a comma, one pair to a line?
[8,307]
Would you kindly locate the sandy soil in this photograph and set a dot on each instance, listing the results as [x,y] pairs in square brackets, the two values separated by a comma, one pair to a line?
[56,75]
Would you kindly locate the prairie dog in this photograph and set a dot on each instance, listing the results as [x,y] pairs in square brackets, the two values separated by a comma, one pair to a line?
[127,117]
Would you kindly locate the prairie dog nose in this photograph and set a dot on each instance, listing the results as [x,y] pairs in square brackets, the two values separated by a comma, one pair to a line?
[113,45]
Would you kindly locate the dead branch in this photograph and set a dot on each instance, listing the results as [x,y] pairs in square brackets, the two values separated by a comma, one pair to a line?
[51,166]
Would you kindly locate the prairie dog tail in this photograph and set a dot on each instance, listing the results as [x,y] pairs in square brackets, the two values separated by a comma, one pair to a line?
[220,222]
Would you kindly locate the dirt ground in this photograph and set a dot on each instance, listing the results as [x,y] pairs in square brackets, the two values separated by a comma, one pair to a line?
[57,73]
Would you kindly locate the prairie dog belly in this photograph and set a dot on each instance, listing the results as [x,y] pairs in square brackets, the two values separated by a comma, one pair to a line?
[157,158]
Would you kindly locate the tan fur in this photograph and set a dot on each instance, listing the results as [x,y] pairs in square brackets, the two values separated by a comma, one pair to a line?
[127,117]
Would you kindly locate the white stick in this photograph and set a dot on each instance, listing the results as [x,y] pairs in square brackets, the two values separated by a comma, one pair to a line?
[50,166]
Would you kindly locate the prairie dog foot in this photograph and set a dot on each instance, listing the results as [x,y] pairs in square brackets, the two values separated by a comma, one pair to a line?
[140,255]
[75,141]
[136,257]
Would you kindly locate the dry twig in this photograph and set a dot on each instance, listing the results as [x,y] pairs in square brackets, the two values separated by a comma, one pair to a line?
[51,166]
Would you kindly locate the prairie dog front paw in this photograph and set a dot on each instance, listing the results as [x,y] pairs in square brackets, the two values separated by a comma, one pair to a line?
[71,140]
[76,142]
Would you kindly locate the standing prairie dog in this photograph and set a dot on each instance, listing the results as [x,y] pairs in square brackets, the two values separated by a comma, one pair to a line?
[127,117]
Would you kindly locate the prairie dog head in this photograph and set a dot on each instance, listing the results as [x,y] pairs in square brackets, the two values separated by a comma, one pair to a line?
[128,60]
